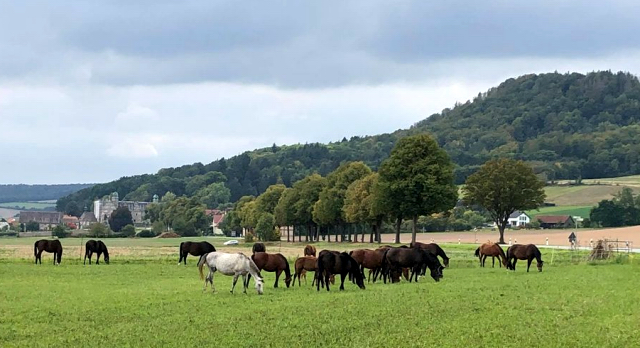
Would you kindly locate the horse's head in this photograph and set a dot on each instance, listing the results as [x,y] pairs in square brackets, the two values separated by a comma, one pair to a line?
[287,280]
[106,258]
[436,273]
[540,265]
[259,285]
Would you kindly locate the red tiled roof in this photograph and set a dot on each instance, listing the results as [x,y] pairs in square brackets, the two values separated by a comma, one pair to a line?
[553,219]
[217,218]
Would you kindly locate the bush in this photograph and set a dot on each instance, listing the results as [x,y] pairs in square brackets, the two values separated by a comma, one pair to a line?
[157,227]
[128,231]
[60,232]
[8,234]
[249,237]
[98,230]
[32,226]
[146,234]
[460,225]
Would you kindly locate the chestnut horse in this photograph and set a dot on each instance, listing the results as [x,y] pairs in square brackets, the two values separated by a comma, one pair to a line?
[310,250]
[272,263]
[307,264]
[195,249]
[433,248]
[523,252]
[50,246]
[491,249]
[370,259]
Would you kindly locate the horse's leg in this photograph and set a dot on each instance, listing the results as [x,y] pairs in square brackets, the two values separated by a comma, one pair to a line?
[245,283]
[327,275]
[514,263]
[484,258]
[493,262]
[529,263]
[235,280]
[342,276]
[278,272]
[98,258]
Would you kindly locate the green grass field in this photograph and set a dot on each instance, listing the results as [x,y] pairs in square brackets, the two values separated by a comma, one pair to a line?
[582,211]
[29,205]
[153,302]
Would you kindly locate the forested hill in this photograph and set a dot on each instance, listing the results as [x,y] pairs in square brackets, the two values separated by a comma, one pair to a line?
[24,193]
[566,125]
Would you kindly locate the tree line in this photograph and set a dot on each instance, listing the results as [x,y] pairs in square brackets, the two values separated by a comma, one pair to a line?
[28,193]
[415,183]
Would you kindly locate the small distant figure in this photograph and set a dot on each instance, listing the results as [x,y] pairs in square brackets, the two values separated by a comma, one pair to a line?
[572,240]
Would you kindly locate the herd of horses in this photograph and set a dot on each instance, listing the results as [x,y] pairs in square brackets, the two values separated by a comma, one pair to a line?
[388,262]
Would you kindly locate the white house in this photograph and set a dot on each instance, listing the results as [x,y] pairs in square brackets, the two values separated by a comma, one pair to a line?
[519,219]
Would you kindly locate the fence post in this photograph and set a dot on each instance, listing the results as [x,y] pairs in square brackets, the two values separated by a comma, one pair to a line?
[547,240]
[591,243]
[509,241]
[458,241]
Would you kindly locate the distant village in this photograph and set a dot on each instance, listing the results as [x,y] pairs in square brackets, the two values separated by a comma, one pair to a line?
[102,209]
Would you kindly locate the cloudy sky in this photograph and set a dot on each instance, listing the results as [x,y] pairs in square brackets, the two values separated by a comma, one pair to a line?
[94,90]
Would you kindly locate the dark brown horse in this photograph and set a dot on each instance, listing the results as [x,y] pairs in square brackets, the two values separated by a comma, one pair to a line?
[273,263]
[98,247]
[523,252]
[433,248]
[331,262]
[50,246]
[414,258]
[310,250]
[307,264]
[494,250]
[370,259]
[195,249]
[258,248]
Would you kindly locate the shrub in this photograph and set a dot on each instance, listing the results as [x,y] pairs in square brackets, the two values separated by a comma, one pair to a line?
[157,227]
[248,237]
[60,232]
[128,231]
[98,230]
[32,226]
[146,234]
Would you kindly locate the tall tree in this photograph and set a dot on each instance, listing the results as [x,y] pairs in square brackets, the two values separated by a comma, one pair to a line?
[120,218]
[284,211]
[417,179]
[73,208]
[307,191]
[362,204]
[503,186]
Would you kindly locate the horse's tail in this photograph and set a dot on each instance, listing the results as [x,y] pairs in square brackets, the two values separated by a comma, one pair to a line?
[287,269]
[201,263]
[508,258]
[35,249]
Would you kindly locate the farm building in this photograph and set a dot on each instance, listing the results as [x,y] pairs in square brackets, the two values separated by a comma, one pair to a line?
[556,221]
[46,219]
[519,219]
[216,216]
[87,219]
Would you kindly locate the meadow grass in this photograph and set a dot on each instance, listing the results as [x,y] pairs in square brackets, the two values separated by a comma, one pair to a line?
[29,205]
[157,303]
[579,210]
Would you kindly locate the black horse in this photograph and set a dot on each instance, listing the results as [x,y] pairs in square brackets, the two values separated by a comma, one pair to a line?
[195,249]
[523,252]
[434,249]
[258,248]
[414,258]
[50,246]
[98,247]
[331,262]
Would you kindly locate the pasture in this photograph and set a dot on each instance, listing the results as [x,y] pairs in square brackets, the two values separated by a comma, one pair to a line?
[37,205]
[147,300]
[572,210]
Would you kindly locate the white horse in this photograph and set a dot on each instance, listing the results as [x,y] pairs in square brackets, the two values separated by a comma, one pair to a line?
[232,265]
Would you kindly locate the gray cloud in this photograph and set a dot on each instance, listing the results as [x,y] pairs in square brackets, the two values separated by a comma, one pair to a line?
[297,44]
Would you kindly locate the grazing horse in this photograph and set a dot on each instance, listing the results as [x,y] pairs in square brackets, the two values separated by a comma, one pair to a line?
[523,252]
[232,265]
[433,248]
[370,259]
[310,250]
[272,263]
[415,259]
[97,247]
[491,249]
[258,248]
[195,249]
[307,264]
[330,262]
[50,246]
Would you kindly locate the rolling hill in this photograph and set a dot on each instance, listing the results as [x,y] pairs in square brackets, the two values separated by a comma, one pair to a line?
[568,126]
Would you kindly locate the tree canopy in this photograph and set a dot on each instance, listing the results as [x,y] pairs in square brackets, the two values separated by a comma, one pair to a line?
[503,186]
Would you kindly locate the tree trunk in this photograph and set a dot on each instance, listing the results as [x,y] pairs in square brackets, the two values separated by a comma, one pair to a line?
[398,223]
[414,231]
[373,232]
[299,235]
[501,227]
[363,228]
[288,233]
[378,230]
